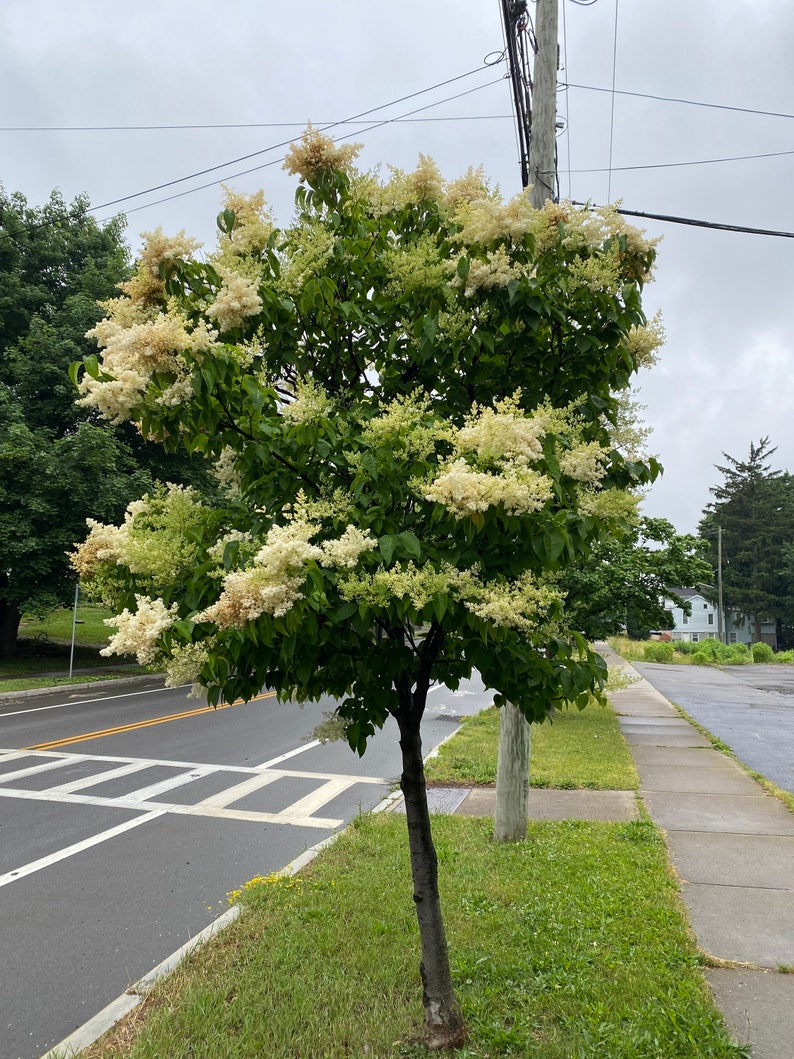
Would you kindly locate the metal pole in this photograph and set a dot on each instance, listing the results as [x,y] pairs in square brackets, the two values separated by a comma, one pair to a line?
[720,612]
[74,628]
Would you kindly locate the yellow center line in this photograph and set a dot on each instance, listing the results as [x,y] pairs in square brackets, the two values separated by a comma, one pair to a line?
[55,743]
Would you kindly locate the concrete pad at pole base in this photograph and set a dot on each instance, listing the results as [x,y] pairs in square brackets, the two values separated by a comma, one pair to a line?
[549,804]
[759,1008]
[763,861]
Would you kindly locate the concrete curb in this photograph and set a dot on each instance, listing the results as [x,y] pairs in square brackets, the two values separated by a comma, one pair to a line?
[114,682]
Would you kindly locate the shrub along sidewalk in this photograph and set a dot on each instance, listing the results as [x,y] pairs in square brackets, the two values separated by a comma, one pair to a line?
[570,945]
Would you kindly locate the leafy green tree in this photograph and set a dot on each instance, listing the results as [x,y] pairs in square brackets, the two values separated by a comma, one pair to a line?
[58,463]
[754,507]
[408,390]
[624,582]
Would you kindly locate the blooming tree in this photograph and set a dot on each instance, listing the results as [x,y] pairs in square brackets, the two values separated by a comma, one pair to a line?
[407,393]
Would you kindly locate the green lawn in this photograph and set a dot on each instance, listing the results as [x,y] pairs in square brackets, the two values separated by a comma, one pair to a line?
[44,646]
[575,749]
[90,627]
[571,944]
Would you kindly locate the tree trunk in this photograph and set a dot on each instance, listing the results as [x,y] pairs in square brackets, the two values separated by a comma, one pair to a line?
[10,618]
[443,1018]
[512,776]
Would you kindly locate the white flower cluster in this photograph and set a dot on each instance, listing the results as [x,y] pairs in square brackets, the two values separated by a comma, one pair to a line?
[237,299]
[273,583]
[184,665]
[523,604]
[313,244]
[503,431]
[133,352]
[465,491]
[643,342]
[253,225]
[103,544]
[226,473]
[496,270]
[489,220]
[317,154]
[159,247]
[310,403]
[585,463]
[156,539]
[491,463]
[346,550]
[139,631]
[419,584]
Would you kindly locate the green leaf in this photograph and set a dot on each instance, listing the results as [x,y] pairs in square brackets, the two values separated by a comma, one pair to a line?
[387,546]
[410,544]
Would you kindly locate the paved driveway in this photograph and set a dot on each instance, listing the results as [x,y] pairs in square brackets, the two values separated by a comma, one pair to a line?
[751,708]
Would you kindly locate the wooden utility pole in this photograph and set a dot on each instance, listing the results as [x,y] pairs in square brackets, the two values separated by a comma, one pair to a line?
[543,141]
[512,767]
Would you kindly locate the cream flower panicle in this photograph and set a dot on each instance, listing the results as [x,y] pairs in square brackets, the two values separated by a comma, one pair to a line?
[140,630]
[316,154]
[346,550]
[465,491]
[159,247]
[237,299]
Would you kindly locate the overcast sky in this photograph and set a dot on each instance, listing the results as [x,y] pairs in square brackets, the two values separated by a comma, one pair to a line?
[726,375]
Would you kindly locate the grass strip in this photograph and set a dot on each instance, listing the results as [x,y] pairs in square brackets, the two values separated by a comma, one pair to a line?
[577,749]
[570,945]
[57,625]
[37,683]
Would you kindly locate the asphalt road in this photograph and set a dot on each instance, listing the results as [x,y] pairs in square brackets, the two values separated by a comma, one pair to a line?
[751,708]
[127,816]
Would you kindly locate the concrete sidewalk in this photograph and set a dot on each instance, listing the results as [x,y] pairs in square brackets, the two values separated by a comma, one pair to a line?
[732,847]
[730,843]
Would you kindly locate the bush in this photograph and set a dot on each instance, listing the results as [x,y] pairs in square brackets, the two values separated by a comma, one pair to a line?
[784,656]
[700,658]
[683,647]
[762,652]
[658,651]
[738,654]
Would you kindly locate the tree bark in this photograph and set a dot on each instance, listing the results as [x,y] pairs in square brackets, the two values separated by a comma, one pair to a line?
[512,776]
[10,617]
[443,1018]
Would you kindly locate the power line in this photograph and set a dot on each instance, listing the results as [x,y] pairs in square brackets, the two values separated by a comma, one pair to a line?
[699,161]
[670,219]
[675,99]
[284,143]
[275,161]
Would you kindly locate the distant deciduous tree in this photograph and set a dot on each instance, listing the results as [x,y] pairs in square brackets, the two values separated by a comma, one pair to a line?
[407,389]
[624,582]
[58,463]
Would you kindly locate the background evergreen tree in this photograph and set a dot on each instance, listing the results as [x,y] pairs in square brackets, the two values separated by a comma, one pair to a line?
[754,506]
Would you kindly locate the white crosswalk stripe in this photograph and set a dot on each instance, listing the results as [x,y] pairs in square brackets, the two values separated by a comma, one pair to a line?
[148,798]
